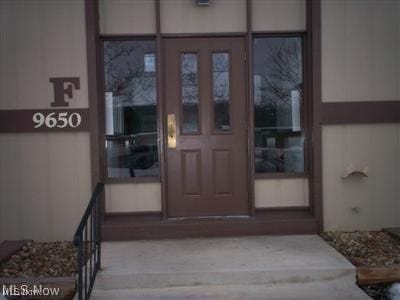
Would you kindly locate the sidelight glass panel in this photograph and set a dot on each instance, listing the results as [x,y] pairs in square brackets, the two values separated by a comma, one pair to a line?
[190,93]
[131,109]
[278,96]
[220,62]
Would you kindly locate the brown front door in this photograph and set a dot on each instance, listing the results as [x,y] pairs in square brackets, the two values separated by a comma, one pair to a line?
[207,147]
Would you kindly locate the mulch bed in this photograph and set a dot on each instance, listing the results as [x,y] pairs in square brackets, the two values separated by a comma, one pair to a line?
[366,248]
[376,254]
[53,259]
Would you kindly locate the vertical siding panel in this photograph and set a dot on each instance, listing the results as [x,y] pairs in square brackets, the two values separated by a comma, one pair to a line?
[8,58]
[266,193]
[83,163]
[196,19]
[10,190]
[281,192]
[57,46]
[229,16]
[181,16]
[332,51]
[172,16]
[292,192]
[34,186]
[149,197]
[63,188]
[386,46]
[335,211]
[357,190]
[27,50]
[291,15]
[127,16]
[263,15]
[358,50]
[385,204]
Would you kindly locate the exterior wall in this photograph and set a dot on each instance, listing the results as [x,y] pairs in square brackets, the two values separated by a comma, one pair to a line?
[127,16]
[278,15]
[281,192]
[139,197]
[361,62]
[360,50]
[181,16]
[44,177]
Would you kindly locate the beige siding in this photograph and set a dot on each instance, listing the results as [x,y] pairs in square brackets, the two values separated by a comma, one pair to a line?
[45,181]
[182,16]
[360,50]
[137,197]
[44,184]
[127,16]
[278,15]
[39,40]
[376,197]
[281,192]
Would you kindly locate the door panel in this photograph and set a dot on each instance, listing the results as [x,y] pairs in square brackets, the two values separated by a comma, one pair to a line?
[205,91]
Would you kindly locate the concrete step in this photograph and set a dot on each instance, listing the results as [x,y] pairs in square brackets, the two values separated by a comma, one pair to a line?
[190,268]
[331,290]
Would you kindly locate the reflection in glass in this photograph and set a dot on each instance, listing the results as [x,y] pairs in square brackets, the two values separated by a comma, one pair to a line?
[278,93]
[190,93]
[220,62]
[131,108]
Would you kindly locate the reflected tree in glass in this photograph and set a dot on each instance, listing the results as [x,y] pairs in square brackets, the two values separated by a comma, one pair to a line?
[278,92]
[131,108]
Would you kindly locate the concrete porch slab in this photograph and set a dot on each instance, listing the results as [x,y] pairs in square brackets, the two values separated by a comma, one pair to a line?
[220,263]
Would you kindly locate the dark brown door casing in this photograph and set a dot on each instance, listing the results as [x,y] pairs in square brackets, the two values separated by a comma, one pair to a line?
[207,172]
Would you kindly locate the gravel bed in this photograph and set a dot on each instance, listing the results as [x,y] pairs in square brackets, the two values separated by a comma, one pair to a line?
[366,248]
[54,259]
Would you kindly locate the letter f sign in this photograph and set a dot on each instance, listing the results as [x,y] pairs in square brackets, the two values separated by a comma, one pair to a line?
[63,86]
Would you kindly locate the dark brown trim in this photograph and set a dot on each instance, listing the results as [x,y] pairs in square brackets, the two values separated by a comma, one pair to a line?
[127,37]
[280,175]
[210,34]
[360,112]
[94,71]
[151,226]
[162,137]
[282,208]
[110,180]
[149,214]
[250,108]
[313,20]
[279,33]
[17,121]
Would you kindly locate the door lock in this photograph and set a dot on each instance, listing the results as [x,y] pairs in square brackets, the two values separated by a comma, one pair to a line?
[171,128]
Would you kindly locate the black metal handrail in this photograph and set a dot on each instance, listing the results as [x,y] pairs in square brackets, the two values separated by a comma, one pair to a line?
[87,240]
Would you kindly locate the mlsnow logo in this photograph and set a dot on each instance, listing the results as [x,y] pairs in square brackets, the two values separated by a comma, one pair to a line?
[26,290]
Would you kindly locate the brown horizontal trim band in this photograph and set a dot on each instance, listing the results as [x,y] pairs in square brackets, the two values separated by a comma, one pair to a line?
[128,37]
[360,112]
[133,180]
[280,175]
[20,120]
[282,33]
[283,208]
[127,227]
[205,34]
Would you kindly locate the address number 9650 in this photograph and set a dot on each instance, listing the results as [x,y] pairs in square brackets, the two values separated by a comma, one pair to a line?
[58,120]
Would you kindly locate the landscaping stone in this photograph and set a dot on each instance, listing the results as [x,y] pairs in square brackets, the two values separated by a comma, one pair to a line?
[53,259]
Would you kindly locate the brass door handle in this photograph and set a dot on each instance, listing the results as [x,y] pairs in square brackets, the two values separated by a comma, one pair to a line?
[171,128]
